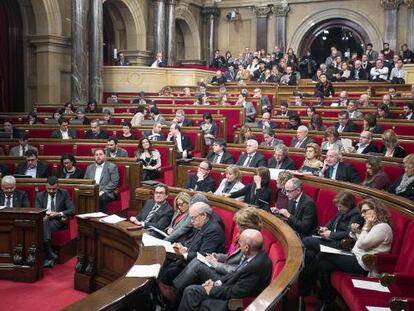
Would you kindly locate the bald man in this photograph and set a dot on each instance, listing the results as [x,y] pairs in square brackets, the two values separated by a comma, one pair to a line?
[251,276]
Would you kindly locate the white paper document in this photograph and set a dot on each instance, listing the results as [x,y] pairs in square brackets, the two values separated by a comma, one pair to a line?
[144,271]
[149,240]
[378,309]
[370,285]
[203,259]
[331,250]
[113,219]
[158,231]
[92,215]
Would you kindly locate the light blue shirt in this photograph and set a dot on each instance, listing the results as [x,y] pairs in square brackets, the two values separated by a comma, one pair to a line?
[31,172]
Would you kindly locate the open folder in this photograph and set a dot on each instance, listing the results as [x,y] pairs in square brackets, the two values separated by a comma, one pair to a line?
[144,271]
[149,240]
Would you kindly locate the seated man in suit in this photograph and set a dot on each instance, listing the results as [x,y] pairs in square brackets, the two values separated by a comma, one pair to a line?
[280,159]
[251,158]
[32,166]
[106,175]
[121,60]
[63,132]
[183,143]
[155,134]
[269,139]
[266,122]
[344,124]
[156,212]
[284,110]
[365,144]
[334,168]
[59,206]
[10,196]
[219,78]
[9,128]
[181,120]
[301,213]
[264,100]
[113,151]
[250,278]
[201,181]
[219,154]
[250,111]
[158,62]
[80,117]
[95,132]
[18,151]
[408,111]
[301,139]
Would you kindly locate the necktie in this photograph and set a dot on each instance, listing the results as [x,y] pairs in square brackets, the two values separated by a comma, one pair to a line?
[330,172]
[294,203]
[298,144]
[249,158]
[23,151]
[242,263]
[216,156]
[8,201]
[52,203]
[152,212]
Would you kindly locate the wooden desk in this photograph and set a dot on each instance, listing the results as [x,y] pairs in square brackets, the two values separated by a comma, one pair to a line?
[21,244]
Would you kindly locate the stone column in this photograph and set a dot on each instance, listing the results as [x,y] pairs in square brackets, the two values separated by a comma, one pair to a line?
[261,26]
[410,24]
[210,14]
[159,27]
[171,45]
[96,51]
[281,12]
[391,8]
[79,82]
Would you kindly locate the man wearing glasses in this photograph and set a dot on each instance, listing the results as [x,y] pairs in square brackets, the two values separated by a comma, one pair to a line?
[201,181]
[301,213]
[365,144]
[32,166]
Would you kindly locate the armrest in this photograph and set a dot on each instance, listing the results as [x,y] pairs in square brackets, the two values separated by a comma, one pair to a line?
[403,283]
[399,303]
[235,304]
[382,262]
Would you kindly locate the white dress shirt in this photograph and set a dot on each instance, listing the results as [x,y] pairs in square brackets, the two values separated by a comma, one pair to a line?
[98,173]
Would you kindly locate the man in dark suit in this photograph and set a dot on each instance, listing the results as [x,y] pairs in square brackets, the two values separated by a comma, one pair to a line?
[183,143]
[121,60]
[201,181]
[59,206]
[264,100]
[251,158]
[358,73]
[155,134]
[301,139]
[250,278]
[181,120]
[18,151]
[344,124]
[266,122]
[95,132]
[63,132]
[284,111]
[113,151]
[230,74]
[301,213]
[334,168]
[269,139]
[158,62]
[10,196]
[280,159]
[219,78]
[9,128]
[365,144]
[219,154]
[32,166]
[408,111]
[106,175]
[156,212]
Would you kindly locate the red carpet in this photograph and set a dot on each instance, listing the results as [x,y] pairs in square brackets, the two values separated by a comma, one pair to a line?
[53,292]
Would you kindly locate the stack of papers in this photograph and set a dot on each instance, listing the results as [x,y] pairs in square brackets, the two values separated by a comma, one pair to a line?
[203,259]
[331,250]
[370,285]
[92,215]
[113,219]
[149,240]
[378,309]
[144,271]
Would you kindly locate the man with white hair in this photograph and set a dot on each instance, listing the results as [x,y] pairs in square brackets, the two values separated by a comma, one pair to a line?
[343,100]
[280,159]
[251,158]
[10,196]
[365,144]
[334,168]
[302,138]
[358,73]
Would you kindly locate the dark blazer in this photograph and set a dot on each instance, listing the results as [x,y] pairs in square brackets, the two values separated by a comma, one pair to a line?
[206,185]
[409,191]
[349,127]
[187,122]
[257,160]
[101,135]
[209,239]
[370,148]
[346,172]
[20,199]
[288,114]
[260,198]
[303,144]
[340,225]
[42,171]
[376,130]
[186,143]
[287,163]
[226,158]
[120,153]
[78,173]
[360,75]
[63,202]
[399,152]
[161,219]
[58,134]
[272,124]
[150,136]
[304,219]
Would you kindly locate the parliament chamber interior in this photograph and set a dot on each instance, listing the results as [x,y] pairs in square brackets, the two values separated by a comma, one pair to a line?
[207,155]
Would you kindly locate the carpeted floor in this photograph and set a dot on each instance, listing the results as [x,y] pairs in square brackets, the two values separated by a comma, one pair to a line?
[53,292]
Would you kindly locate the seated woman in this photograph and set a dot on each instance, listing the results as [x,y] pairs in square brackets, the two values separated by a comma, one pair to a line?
[281,197]
[139,116]
[32,118]
[126,132]
[107,118]
[209,128]
[245,134]
[231,183]
[223,100]
[258,192]
[312,162]
[68,108]
[330,235]
[383,112]
[294,122]
[316,123]
[324,87]
[404,185]
[370,124]
[374,237]
[180,226]
[150,159]
[376,178]
[390,147]
[68,167]
[92,107]
[332,140]
[202,100]
[310,111]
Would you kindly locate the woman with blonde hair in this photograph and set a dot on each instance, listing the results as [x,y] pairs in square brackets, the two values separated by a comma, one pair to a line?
[376,178]
[404,185]
[180,226]
[245,134]
[312,162]
[391,148]
[232,182]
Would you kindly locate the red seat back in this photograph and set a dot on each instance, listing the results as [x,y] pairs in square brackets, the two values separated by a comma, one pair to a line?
[227,219]
[311,191]
[325,206]
[405,263]
[268,239]
[399,225]
[278,258]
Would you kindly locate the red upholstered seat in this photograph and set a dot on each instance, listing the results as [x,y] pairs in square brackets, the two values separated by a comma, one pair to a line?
[359,166]
[123,193]
[268,239]
[393,171]
[278,258]
[311,191]
[229,225]
[87,149]
[325,206]
[56,149]
[287,139]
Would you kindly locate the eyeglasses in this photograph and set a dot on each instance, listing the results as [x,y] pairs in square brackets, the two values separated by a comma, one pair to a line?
[290,191]
[192,218]
[203,168]
[159,192]
[363,211]
[181,203]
